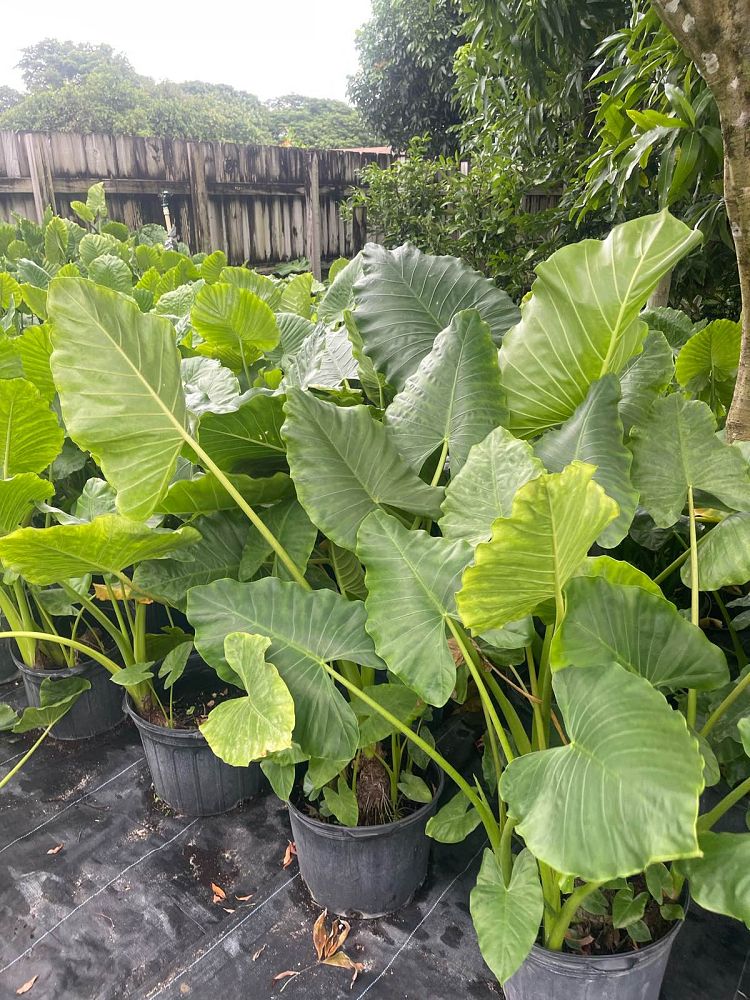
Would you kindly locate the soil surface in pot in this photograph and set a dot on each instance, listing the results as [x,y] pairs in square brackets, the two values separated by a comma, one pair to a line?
[190,708]
[595,934]
[43,661]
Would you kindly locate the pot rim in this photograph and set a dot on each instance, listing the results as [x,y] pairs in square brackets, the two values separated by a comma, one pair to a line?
[335,832]
[38,672]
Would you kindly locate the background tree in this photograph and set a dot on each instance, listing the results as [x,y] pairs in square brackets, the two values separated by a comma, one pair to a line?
[9,97]
[51,63]
[405,84]
[313,121]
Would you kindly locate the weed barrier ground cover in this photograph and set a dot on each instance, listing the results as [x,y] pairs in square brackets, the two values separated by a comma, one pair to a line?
[106,894]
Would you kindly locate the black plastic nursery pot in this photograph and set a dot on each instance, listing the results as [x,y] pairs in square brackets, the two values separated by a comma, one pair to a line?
[364,871]
[555,975]
[8,667]
[96,711]
[187,774]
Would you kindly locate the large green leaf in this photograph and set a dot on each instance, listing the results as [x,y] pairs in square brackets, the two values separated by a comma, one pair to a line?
[484,488]
[297,295]
[216,555]
[533,553]
[676,325]
[340,296]
[707,364]
[676,447]
[56,698]
[205,493]
[209,387]
[237,326]
[582,321]
[268,289]
[289,523]
[404,298]
[643,632]
[323,360]
[250,434]
[623,794]
[644,377]
[344,465]
[30,436]
[724,556]
[18,497]
[720,880]
[245,729]
[117,371]
[108,544]
[454,398]
[507,918]
[35,349]
[594,434]
[307,629]
[112,272]
[411,582]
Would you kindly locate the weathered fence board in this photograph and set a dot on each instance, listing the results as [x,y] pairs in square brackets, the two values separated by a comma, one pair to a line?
[260,204]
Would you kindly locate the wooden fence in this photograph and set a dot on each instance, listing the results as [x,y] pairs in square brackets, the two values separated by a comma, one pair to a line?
[260,204]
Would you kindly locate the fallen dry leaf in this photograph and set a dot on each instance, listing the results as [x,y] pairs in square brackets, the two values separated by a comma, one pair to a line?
[289,853]
[243,899]
[342,961]
[227,909]
[56,850]
[320,935]
[259,952]
[218,892]
[284,975]
[26,986]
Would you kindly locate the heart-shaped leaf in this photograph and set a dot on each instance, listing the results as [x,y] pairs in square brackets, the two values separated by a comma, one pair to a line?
[31,435]
[720,880]
[237,326]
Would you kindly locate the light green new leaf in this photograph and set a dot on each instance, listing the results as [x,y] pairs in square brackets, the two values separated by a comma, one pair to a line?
[267,289]
[212,266]
[707,364]
[245,729]
[112,272]
[18,497]
[289,523]
[676,447]
[404,298]
[484,488]
[216,555]
[117,371]
[724,556]
[107,544]
[618,572]
[344,465]
[414,788]
[35,349]
[174,663]
[30,436]
[324,359]
[339,295]
[506,918]
[297,295]
[56,698]
[644,377]
[250,434]
[643,632]
[631,766]
[411,581]
[205,493]
[720,880]
[307,630]
[594,434]
[133,675]
[237,326]
[454,821]
[582,321]
[56,241]
[533,553]
[453,399]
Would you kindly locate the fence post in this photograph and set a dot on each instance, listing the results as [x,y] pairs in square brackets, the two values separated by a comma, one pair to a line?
[40,169]
[312,203]
[199,198]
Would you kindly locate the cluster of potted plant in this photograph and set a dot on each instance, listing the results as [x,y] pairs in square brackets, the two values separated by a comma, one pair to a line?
[404,490]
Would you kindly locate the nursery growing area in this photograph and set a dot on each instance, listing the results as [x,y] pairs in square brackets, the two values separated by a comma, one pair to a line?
[378,634]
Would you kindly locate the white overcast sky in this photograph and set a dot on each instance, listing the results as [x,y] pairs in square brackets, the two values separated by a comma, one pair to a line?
[268,47]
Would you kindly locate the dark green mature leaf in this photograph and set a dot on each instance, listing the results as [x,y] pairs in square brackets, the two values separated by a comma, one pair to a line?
[30,434]
[56,697]
[628,909]
[250,434]
[594,434]
[344,466]
[454,398]
[676,325]
[507,918]
[307,629]
[641,631]
[631,766]
[133,675]
[107,352]
[724,555]
[323,360]
[454,821]
[215,556]
[644,377]
[396,699]
[245,729]
[205,493]
[485,487]
[404,298]
[676,447]
[582,320]
[342,802]
[720,880]
[107,544]
[411,582]
[534,552]
[174,663]
[289,523]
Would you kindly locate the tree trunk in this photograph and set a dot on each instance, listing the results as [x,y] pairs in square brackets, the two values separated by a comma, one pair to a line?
[716,36]
[660,295]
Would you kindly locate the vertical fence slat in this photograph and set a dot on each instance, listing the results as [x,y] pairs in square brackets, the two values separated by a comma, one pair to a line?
[312,197]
